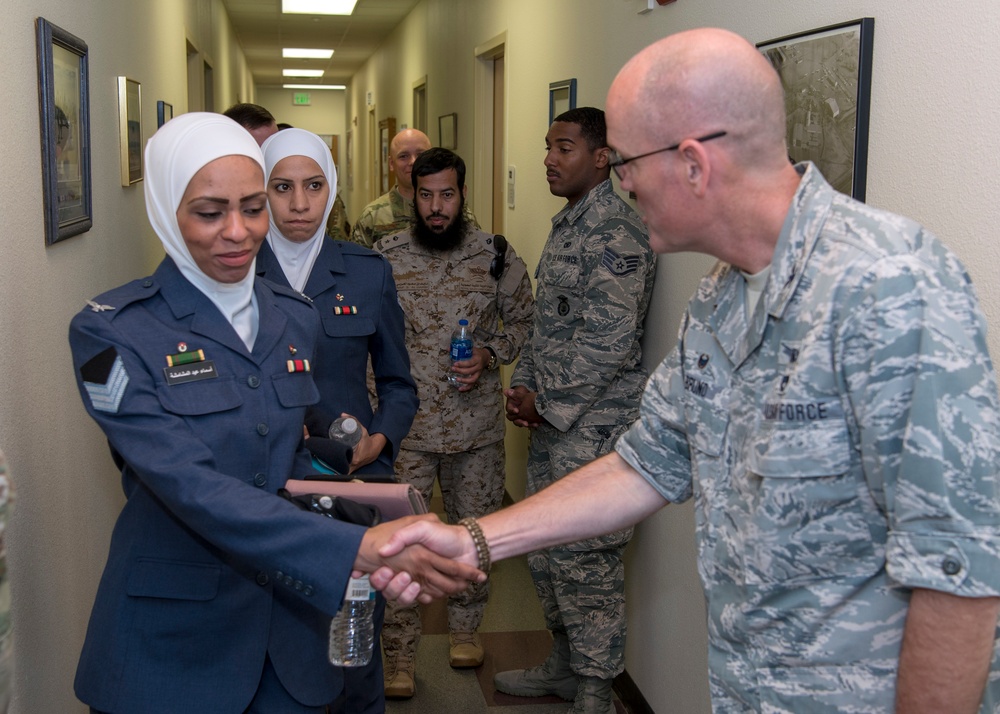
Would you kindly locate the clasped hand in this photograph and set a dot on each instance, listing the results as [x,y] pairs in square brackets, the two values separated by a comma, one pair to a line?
[417,565]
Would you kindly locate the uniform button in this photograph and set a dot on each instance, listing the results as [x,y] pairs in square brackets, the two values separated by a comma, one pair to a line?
[288,580]
[260,479]
[950,566]
[279,575]
[309,590]
[299,585]
[262,578]
[147,283]
[254,381]
[262,429]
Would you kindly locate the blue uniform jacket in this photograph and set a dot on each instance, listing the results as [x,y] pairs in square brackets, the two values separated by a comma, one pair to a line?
[359,282]
[208,568]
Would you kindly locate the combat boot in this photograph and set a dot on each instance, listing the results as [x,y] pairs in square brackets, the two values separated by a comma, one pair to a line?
[400,677]
[553,676]
[594,696]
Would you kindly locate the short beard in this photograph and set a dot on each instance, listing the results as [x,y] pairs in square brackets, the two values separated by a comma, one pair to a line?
[449,239]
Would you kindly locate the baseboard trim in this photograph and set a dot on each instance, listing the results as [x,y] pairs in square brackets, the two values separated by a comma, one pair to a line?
[629,695]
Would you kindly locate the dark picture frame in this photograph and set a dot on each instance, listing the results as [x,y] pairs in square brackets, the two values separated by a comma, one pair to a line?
[164,113]
[562,97]
[827,77]
[130,130]
[64,118]
[448,130]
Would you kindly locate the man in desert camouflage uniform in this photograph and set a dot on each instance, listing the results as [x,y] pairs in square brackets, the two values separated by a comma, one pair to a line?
[578,385]
[392,212]
[446,270]
[830,406]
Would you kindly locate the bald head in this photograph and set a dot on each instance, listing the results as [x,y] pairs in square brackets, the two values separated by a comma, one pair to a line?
[404,149]
[697,82]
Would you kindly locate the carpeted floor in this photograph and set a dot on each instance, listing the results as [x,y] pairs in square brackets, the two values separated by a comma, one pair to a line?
[514,637]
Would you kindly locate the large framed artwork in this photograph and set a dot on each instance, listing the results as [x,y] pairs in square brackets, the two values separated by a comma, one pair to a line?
[827,78]
[64,116]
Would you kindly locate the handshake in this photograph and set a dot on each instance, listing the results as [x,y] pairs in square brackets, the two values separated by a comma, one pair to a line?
[419,558]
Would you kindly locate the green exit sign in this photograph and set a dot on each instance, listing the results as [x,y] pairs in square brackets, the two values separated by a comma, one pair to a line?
[300,99]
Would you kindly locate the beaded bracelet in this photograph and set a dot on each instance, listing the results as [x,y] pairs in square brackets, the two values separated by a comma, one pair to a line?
[482,547]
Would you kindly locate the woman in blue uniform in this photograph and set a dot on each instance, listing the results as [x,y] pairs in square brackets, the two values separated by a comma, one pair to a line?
[217,594]
[353,289]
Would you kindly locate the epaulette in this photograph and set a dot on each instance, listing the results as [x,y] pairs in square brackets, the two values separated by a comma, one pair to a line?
[287,292]
[394,241]
[352,248]
[113,301]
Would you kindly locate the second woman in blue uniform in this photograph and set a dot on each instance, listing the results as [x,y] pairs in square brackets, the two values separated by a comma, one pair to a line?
[354,291]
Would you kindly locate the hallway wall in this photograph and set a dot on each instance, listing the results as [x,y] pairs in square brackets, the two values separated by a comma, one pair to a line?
[68,491]
[933,155]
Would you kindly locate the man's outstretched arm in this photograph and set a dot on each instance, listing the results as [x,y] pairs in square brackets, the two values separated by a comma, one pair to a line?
[603,496]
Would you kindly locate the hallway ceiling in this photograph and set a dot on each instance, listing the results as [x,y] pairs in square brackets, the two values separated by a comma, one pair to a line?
[263,31]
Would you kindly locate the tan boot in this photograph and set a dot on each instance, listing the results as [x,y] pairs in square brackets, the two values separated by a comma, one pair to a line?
[400,677]
[594,696]
[551,677]
[465,649]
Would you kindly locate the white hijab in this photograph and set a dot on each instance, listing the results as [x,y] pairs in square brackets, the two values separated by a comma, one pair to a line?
[297,259]
[174,154]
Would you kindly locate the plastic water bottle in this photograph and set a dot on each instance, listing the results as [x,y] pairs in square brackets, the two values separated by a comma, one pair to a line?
[461,348]
[352,633]
[346,430]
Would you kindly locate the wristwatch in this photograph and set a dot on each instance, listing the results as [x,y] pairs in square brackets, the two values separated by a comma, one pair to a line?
[493,358]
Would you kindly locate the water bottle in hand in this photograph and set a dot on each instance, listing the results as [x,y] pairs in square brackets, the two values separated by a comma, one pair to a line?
[345,430]
[461,348]
[352,632]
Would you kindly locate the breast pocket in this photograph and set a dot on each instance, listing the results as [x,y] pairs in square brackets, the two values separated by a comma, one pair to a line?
[810,514]
[295,389]
[202,397]
[348,326]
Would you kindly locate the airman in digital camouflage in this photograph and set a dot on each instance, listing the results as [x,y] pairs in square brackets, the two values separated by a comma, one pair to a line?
[578,385]
[445,271]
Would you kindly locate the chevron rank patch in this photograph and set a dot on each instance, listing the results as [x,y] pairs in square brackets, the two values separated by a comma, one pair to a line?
[619,264]
[105,378]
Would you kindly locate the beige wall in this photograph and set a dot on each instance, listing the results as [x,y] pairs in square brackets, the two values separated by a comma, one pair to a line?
[934,155]
[324,115]
[68,492]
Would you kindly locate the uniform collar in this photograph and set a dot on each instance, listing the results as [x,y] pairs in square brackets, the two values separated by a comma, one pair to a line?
[571,214]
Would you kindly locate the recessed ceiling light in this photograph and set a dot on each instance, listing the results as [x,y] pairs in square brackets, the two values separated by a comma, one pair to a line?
[314,86]
[302,53]
[301,73]
[318,7]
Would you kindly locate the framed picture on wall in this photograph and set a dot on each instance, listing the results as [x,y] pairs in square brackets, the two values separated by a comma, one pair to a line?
[562,97]
[827,75]
[64,116]
[448,131]
[164,113]
[130,130]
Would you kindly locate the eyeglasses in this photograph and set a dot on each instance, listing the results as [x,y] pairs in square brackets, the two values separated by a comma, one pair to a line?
[617,161]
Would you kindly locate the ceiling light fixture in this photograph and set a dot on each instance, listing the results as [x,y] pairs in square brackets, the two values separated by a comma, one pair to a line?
[301,73]
[314,86]
[318,7]
[302,53]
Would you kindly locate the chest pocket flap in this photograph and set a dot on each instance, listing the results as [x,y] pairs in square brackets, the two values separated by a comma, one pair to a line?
[348,326]
[206,396]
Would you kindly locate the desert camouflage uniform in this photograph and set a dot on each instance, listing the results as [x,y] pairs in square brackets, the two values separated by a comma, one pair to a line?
[594,277]
[842,448]
[388,214]
[457,436]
